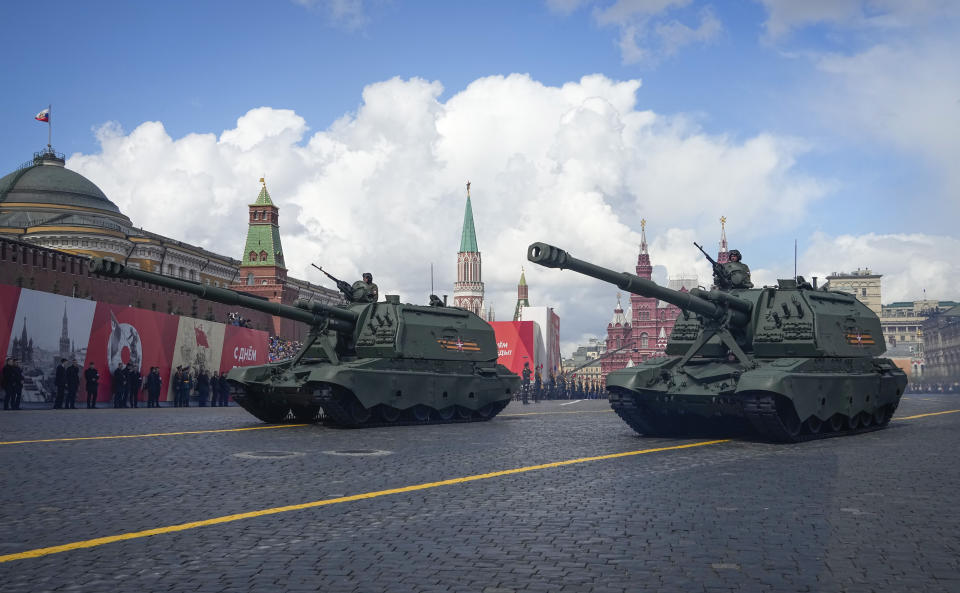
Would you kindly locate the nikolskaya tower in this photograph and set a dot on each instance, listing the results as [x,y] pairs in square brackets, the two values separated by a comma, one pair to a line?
[468,289]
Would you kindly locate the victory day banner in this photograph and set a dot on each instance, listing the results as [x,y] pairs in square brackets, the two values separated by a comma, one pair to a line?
[243,347]
[46,328]
[516,344]
[122,335]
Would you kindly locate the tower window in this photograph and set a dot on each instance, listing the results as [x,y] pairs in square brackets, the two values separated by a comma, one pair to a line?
[263,256]
[253,256]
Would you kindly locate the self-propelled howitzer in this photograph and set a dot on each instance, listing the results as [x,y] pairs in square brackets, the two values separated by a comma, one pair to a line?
[365,364]
[790,361]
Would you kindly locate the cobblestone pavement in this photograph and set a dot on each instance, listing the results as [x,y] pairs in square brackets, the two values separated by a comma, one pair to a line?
[874,512]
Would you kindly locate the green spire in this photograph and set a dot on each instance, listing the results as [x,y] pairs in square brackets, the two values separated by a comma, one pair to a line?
[468,240]
[523,278]
[263,236]
[264,198]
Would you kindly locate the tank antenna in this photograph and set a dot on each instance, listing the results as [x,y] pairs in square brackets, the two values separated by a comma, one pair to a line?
[794,259]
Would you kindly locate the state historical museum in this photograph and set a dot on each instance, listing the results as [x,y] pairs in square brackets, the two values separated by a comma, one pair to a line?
[642,333]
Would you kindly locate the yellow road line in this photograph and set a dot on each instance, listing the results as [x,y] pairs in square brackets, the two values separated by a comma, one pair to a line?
[158,434]
[548,413]
[925,415]
[92,543]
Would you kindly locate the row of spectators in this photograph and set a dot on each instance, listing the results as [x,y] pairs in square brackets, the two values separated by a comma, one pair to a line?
[238,320]
[280,349]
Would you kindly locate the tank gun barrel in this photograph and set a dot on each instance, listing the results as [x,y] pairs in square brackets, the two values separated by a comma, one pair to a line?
[554,257]
[338,319]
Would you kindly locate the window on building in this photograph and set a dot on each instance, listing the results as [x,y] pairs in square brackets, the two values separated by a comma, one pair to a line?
[253,256]
[263,256]
[863,292]
[250,279]
[644,341]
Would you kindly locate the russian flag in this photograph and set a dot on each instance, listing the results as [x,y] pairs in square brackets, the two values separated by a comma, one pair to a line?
[43,115]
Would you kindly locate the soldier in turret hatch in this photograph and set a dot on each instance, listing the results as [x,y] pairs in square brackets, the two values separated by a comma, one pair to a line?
[365,291]
[733,274]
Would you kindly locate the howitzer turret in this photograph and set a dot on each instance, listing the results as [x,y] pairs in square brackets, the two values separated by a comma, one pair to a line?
[365,364]
[789,361]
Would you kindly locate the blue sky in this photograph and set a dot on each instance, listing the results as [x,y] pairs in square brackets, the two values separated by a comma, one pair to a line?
[828,122]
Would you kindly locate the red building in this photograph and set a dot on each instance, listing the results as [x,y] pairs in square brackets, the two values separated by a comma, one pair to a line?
[642,333]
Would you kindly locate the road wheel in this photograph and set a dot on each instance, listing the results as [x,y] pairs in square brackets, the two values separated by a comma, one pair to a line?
[814,425]
[358,413]
[446,414]
[421,413]
[389,414]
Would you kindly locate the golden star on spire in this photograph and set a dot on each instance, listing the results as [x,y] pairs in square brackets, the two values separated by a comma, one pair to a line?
[723,221]
[643,224]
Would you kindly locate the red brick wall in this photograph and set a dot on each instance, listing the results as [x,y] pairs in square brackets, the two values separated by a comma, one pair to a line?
[48,270]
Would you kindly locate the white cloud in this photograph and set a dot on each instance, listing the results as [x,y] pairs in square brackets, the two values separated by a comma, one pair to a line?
[382,189]
[350,14]
[786,16]
[646,33]
[910,263]
[906,96]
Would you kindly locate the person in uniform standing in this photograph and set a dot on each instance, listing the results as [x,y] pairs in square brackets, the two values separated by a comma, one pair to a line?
[203,388]
[525,382]
[186,384]
[215,389]
[119,386]
[6,381]
[175,384]
[153,386]
[73,385]
[134,383]
[60,382]
[224,391]
[91,377]
[17,385]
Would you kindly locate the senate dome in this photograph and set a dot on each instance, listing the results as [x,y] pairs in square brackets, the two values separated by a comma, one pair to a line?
[43,192]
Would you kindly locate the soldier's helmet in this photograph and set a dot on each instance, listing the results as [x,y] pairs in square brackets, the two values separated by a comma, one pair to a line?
[367,276]
[735,253]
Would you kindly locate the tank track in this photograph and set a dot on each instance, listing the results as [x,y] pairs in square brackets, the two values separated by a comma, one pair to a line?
[763,413]
[335,413]
[760,410]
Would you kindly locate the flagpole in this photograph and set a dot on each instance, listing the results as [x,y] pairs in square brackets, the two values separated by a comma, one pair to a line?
[49,127]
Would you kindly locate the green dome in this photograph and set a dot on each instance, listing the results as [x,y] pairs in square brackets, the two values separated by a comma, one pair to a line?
[46,181]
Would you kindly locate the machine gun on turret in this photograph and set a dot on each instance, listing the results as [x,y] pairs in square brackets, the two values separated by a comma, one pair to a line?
[722,278]
[343,286]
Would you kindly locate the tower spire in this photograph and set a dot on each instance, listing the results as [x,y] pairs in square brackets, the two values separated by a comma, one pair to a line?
[722,256]
[468,289]
[644,268]
[522,296]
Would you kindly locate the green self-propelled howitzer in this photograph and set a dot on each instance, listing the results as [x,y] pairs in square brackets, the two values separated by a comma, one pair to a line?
[790,361]
[365,364]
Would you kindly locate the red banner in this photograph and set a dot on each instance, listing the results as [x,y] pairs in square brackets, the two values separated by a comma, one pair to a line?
[9,298]
[128,335]
[243,347]
[515,344]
